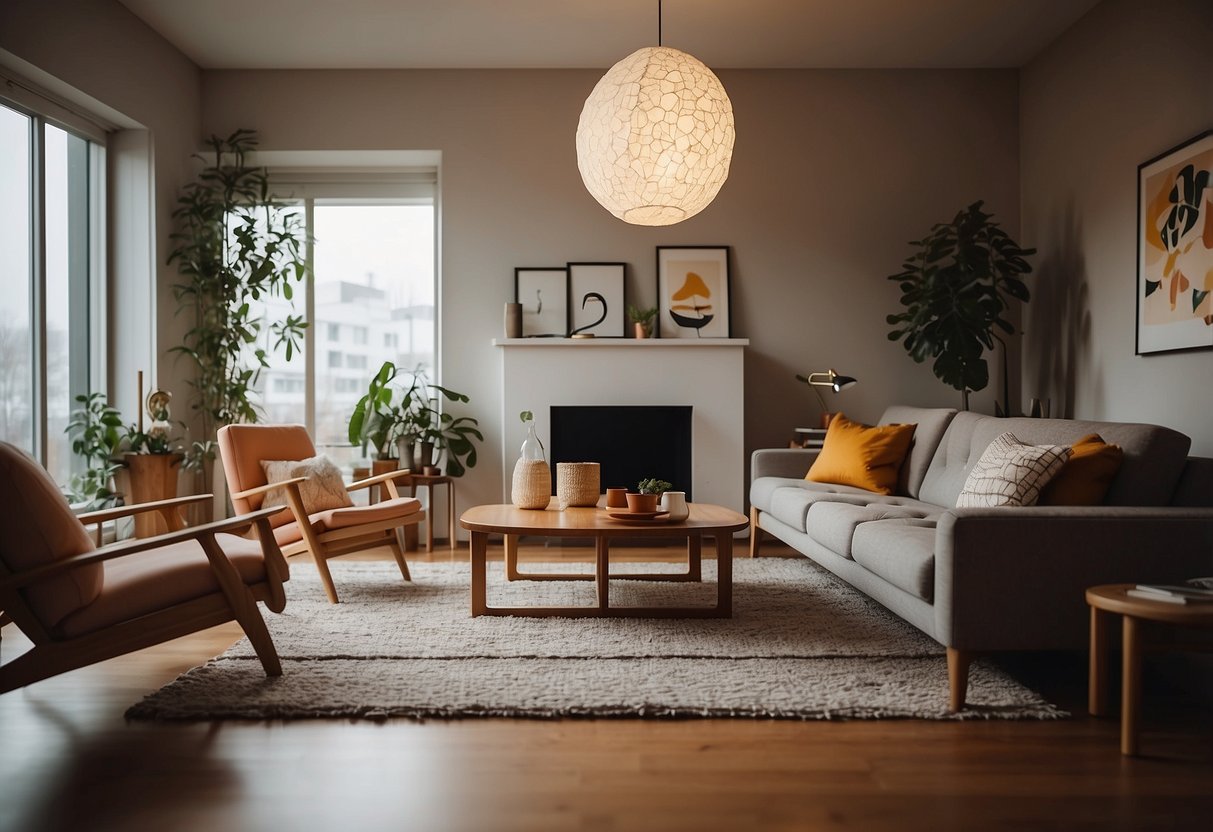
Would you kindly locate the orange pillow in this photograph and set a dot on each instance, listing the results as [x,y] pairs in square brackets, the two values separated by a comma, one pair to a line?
[1085,478]
[863,456]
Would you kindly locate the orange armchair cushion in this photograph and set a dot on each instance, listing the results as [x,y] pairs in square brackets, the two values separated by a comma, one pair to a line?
[242,447]
[339,518]
[38,529]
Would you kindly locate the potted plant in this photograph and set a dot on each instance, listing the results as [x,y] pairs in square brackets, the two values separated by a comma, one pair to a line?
[642,320]
[448,435]
[96,431]
[955,287]
[235,243]
[648,491]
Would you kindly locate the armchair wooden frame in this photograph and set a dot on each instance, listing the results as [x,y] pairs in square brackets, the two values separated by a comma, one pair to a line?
[236,600]
[342,541]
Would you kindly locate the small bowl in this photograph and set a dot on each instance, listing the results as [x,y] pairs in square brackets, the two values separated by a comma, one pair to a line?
[642,502]
[616,498]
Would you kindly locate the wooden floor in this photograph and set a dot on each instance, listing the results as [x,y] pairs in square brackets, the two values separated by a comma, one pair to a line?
[68,761]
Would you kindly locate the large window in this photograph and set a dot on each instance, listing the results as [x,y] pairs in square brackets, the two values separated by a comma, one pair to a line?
[50,275]
[372,300]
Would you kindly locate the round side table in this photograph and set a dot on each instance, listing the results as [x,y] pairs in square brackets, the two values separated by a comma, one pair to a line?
[1112,599]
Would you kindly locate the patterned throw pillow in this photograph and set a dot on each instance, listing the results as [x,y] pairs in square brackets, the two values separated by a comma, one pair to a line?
[323,490]
[1011,473]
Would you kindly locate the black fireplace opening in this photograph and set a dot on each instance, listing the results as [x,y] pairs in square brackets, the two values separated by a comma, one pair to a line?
[631,443]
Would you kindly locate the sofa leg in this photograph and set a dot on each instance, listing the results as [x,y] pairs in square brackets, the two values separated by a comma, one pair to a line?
[755,532]
[958,677]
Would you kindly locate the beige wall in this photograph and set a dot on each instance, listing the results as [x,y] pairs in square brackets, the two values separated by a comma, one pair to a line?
[833,172]
[105,53]
[1127,82]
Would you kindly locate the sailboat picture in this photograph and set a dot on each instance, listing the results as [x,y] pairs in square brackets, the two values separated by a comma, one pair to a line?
[693,291]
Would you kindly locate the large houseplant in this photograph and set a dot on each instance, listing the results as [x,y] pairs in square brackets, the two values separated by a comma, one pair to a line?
[235,244]
[955,287]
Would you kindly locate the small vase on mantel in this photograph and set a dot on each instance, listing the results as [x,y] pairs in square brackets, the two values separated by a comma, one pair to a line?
[532,484]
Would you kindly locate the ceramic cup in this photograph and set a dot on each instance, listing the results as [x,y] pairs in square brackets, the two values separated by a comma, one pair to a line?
[616,498]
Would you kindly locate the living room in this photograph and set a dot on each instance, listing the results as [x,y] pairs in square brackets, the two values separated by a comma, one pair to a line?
[858,130]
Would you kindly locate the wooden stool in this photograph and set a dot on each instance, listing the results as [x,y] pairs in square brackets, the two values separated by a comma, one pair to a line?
[1113,598]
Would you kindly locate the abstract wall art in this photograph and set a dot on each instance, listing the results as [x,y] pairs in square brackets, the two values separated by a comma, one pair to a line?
[693,292]
[596,299]
[544,295]
[1175,249]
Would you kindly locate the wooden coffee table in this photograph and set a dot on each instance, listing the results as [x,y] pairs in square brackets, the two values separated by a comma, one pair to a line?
[714,521]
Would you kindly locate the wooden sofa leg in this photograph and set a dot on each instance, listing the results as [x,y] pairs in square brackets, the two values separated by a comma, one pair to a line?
[958,677]
[755,532]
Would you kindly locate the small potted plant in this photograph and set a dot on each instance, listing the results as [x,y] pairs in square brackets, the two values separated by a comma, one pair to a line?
[642,320]
[644,499]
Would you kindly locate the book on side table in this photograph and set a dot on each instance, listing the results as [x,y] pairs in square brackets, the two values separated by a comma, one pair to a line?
[1191,593]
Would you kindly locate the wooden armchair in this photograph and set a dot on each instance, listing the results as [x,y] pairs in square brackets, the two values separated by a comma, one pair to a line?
[323,534]
[80,604]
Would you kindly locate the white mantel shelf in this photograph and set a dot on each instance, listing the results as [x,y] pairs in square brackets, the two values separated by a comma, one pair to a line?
[621,342]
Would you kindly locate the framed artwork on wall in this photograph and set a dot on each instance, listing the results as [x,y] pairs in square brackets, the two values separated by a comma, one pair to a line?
[693,292]
[544,295]
[596,299]
[1175,248]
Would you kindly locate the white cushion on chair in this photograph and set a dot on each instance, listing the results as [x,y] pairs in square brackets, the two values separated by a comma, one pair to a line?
[323,490]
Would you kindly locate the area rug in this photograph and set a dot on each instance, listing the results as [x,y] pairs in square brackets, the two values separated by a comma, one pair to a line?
[801,645]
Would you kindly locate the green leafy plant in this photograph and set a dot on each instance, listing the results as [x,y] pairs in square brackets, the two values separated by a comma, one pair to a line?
[235,244]
[96,431]
[955,288]
[644,317]
[652,486]
[526,416]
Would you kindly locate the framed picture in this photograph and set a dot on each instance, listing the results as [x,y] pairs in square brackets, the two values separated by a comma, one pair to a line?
[596,299]
[1175,249]
[693,292]
[544,295]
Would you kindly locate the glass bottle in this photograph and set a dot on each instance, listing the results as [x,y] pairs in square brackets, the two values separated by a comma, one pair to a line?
[532,448]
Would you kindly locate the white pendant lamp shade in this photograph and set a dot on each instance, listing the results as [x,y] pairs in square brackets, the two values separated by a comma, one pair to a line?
[655,137]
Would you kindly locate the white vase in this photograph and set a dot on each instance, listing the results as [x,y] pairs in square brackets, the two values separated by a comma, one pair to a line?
[675,502]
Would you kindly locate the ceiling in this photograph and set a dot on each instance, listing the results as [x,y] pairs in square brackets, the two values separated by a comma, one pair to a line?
[411,34]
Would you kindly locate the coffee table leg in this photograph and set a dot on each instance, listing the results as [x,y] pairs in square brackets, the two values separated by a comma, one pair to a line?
[602,572]
[694,558]
[724,574]
[480,545]
[511,557]
[1130,703]
[1097,681]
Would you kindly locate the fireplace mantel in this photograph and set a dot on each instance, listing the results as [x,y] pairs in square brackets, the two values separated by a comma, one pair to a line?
[707,374]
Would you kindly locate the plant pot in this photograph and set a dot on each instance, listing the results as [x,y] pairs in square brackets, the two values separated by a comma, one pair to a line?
[404,450]
[151,477]
[641,330]
[642,502]
[425,454]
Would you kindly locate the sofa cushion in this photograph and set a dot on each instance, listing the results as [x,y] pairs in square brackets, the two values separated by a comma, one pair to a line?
[1154,456]
[763,489]
[900,551]
[1086,476]
[1011,473]
[833,524]
[931,422]
[862,456]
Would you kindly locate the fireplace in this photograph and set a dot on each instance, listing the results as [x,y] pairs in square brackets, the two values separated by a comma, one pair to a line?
[631,443]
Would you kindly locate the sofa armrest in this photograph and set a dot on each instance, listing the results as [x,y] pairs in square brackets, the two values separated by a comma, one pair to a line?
[1013,578]
[781,462]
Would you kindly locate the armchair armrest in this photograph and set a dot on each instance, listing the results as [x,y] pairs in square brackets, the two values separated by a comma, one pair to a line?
[1013,578]
[130,547]
[269,486]
[378,478]
[88,518]
[781,462]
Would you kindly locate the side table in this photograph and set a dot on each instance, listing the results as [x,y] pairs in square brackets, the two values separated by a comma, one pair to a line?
[1113,599]
[429,482]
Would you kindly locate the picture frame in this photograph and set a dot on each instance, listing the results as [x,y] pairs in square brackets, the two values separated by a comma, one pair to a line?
[1174,292]
[693,292]
[605,280]
[543,292]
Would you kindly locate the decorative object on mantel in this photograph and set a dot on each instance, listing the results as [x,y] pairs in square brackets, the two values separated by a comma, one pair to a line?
[830,379]
[642,320]
[532,484]
[513,320]
[543,293]
[577,484]
[655,136]
[588,299]
[1175,249]
[603,281]
[955,287]
[693,291]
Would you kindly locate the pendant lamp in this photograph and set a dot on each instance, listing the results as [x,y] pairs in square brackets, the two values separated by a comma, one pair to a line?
[656,136]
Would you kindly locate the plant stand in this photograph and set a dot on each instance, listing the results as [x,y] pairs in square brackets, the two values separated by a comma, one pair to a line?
[150,477]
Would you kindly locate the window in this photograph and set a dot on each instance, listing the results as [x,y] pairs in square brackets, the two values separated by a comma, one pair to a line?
[356,362]
[50,282]
[359,335]
[334,332]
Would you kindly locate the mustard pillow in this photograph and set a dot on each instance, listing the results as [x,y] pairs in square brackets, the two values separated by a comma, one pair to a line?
[1086,477]
[862,456]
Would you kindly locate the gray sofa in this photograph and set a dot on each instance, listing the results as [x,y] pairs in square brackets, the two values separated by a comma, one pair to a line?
[989,579]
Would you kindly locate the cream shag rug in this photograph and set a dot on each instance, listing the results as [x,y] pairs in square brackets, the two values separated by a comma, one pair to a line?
[801,645]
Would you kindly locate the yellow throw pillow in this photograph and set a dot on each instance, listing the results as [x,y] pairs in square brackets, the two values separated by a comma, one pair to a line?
[863,456]
[1086,477]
